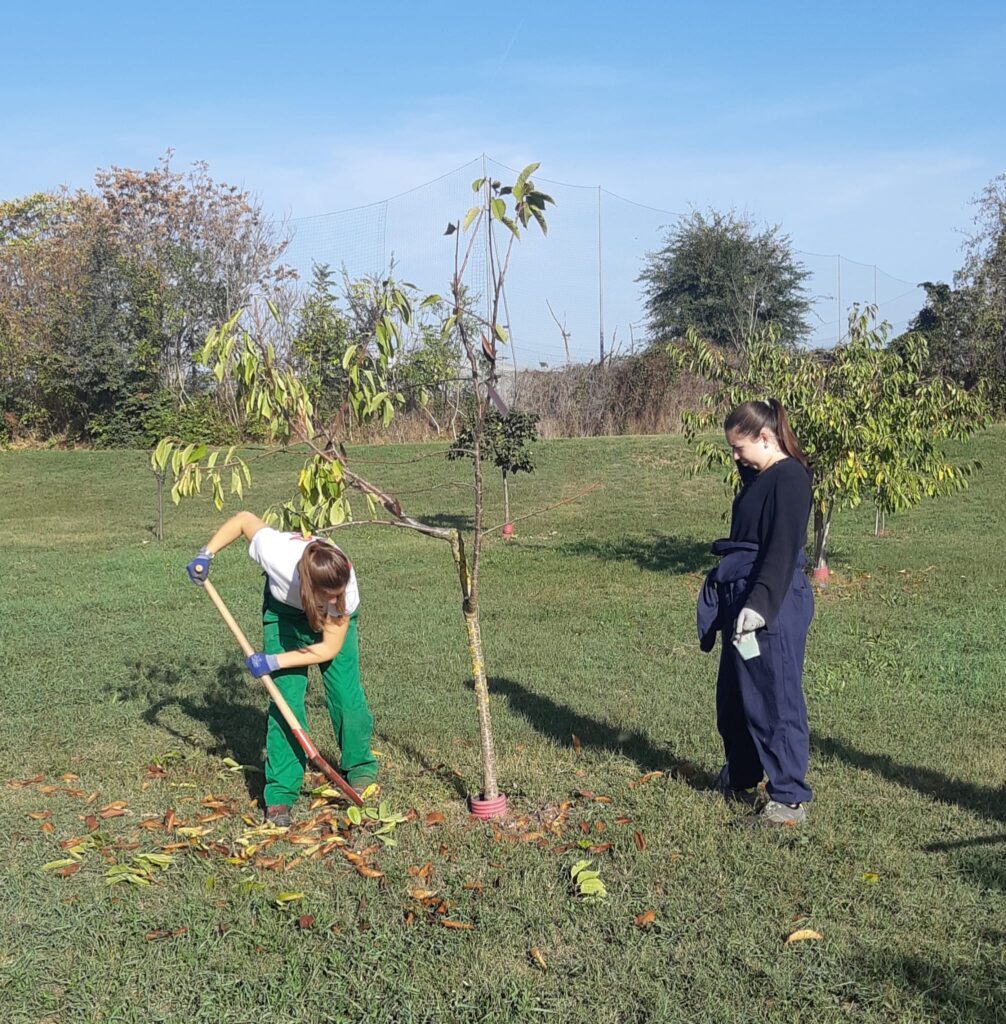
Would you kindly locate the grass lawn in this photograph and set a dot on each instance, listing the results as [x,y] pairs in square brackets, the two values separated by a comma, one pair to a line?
[129,724]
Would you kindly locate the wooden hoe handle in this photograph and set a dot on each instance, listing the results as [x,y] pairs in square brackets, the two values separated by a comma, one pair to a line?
[277,698]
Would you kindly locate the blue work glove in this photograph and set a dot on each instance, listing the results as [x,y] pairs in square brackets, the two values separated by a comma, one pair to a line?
[199,568]
[747,622]
[259,663]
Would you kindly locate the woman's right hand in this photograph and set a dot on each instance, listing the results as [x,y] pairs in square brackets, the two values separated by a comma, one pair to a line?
[199,568]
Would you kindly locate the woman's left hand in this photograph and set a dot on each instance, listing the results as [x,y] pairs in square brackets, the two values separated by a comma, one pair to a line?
[748,621]
[259,664]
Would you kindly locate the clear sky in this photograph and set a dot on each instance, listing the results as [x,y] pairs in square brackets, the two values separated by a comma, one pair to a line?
[862,128]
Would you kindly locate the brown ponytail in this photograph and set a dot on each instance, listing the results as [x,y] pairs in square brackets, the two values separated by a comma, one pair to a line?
[324,576]
[749,419]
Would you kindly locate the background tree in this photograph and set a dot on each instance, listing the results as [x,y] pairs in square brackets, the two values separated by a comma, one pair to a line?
[872,423]
[718,273]
[506,441]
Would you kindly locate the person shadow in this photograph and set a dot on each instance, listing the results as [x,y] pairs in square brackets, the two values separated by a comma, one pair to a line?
[559,722]
[228,709]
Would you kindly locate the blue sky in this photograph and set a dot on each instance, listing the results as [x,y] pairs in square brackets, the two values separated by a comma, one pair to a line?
[862,128]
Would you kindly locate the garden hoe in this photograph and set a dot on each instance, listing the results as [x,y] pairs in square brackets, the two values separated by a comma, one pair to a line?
[284,709]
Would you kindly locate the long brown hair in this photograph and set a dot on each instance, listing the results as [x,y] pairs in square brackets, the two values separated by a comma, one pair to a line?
[749,419]
[324,576]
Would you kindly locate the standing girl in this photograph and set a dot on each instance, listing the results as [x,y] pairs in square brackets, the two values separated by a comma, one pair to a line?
[758,598]
[309,617]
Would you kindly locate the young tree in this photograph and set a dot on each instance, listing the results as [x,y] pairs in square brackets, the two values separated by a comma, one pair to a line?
[872,423]
[274,397]
[717,273]
[506,442]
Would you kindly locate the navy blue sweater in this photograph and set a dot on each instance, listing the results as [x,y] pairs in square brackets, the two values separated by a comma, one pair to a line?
[771,511]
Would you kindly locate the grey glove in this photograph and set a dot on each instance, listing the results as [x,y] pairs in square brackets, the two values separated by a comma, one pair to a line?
[747,622]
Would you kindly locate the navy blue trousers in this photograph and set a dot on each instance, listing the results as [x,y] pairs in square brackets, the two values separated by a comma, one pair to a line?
[760,710]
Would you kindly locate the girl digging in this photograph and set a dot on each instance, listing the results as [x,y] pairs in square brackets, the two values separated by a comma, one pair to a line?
[758,598]
[309,617]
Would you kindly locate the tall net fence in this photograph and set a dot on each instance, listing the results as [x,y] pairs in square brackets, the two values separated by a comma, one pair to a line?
[573,295]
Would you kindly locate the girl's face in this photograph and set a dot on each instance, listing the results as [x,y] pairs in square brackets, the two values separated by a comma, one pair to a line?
[756,451]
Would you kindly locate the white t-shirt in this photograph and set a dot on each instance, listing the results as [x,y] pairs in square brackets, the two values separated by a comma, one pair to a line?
[279,554]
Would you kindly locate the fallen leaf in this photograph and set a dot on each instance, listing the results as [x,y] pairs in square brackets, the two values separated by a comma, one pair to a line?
[70,869]
[39,815]
[623,820]
[165,933]
[584,827]
[643,779]
[111,812]
[602,799]
[305,921]
[410,918]
[91,822]
[586,794]
[91,797]
[289,897]
[169,819]
[422,894]
[47,827]
[871,877]
[576,743]
[368,872]
[456,924]
[599,826]
[473,886]
[434,818]
[151,823]
[70,777]
[645,919]
[599,848]
[536,957]
[803,935]
[637,838]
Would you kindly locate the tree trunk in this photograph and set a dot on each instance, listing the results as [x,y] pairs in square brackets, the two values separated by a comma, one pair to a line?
[506,499]
[470,610]
[822,528]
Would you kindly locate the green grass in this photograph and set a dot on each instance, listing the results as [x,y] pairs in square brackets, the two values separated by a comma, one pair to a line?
[111,660]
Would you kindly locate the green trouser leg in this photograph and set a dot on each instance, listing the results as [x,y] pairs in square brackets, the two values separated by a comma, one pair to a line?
[286,629]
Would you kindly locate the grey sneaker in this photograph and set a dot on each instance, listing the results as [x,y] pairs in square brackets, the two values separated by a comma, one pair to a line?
[278,815]
[778,815]
[749,797]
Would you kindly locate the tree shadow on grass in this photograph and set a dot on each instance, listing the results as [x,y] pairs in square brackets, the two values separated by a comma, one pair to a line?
[675,555]
[986,801]
[946,991]
[971,857]
[449,521]
[560,722]
[226,708]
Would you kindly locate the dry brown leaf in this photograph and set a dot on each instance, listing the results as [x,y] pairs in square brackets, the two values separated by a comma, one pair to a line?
[433,818]
[456,924]
[645,919]
[576,743]
[639,840]
[69,777]
[91,822]
[169,819]
[410,918]
[48,790]
[585,794]
[584,827]
[602,799]
[47,826]
[643,779]
[269,863]
[623,820]
[305,921]
[24,783]
[165,933]
[599,826]
[536,956]
[91,797]
[599,848]
[804,935]
[473,886]
[422,894]
[151,823]
[40,815]
[70,869]
[368,872]
[111,812]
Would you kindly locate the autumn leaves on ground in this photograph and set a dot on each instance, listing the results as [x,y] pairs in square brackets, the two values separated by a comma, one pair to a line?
[141,885]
